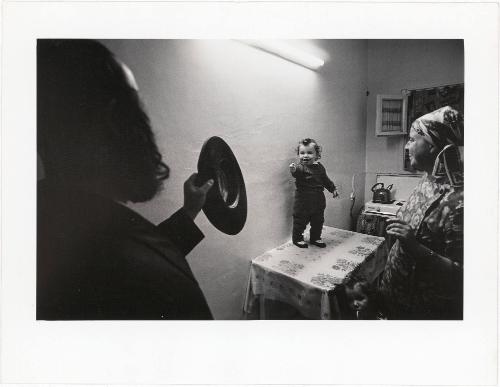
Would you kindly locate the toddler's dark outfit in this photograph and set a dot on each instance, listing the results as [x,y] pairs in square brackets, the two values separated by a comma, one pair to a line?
[310,203]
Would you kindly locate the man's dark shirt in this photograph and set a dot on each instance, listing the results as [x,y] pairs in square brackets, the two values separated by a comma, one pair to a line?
[99,260]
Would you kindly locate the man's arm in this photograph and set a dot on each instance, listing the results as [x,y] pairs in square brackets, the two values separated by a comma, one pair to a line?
[182,231]
[180,227]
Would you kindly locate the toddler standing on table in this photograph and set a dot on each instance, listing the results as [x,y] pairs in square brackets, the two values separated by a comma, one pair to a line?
[310,181]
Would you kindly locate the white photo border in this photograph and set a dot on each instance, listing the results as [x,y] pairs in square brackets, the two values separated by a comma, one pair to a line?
[248,352]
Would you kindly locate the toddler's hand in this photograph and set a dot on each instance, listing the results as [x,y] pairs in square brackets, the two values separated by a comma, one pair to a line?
[335,194]
[293,167]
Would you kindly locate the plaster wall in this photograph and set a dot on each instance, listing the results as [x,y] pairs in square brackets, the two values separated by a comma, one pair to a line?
[261,105]
[394,65]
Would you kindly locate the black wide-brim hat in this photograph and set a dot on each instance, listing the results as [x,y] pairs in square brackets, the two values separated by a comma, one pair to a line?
[226,202]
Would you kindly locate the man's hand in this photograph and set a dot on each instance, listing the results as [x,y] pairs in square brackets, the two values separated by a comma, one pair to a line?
[194,196]
[335,193]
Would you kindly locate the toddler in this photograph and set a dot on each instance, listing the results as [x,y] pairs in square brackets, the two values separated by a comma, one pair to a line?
[362,297]
[310,181]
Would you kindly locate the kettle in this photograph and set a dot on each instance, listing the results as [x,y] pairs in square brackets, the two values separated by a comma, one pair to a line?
[381,195]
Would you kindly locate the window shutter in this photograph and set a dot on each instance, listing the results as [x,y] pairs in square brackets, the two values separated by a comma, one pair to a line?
[391,115]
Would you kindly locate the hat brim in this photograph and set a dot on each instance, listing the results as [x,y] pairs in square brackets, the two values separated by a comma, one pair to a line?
[226,202]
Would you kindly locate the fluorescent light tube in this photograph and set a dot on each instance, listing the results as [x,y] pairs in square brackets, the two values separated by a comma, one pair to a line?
[287,52]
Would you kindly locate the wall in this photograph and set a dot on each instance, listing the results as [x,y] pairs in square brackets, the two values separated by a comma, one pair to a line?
[261,105]
[394,65]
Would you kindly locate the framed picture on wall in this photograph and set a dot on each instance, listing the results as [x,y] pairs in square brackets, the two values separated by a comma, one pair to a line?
[423,101]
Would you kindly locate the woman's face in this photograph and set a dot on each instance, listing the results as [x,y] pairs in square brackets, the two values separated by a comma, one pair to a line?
[422,154]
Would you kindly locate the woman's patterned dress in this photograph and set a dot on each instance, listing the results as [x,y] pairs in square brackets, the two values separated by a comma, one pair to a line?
[413,287]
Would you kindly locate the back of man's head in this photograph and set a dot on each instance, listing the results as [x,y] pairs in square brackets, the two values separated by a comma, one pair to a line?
[91,127]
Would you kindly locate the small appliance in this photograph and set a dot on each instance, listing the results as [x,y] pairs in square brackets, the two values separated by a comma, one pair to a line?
[386,202]
[387,209]
[373,217]
[381,194]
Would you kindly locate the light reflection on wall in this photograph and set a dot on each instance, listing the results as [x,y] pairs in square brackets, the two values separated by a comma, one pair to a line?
[287,51]
[222,55]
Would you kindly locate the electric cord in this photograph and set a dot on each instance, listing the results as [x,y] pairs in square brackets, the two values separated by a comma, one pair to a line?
[352,198]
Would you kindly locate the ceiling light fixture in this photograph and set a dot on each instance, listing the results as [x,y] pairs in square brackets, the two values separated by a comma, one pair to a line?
[287,52]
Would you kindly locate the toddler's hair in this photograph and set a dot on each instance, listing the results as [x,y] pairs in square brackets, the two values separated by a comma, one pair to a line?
[352,279]
[307,141]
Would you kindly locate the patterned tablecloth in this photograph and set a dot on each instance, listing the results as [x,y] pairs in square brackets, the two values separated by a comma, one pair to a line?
[307,278]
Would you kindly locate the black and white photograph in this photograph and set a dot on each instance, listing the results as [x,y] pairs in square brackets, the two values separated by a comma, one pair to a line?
[305,118]
[258,193]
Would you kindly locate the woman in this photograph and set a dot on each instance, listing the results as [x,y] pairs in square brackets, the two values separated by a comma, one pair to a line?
[423,277]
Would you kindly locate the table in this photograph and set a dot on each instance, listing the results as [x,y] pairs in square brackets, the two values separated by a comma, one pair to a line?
[307,278]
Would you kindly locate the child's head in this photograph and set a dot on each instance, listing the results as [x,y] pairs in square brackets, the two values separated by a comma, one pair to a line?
[308,151]
[359,292]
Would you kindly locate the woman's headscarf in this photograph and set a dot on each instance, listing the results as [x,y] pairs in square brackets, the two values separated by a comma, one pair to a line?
[444,129]
[441,127]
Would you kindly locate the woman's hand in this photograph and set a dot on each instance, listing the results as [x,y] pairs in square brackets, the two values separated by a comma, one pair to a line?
[402,230]
[194,196]
[335,193]
[293,167]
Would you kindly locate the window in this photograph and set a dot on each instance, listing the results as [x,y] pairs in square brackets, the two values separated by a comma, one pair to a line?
[391,115]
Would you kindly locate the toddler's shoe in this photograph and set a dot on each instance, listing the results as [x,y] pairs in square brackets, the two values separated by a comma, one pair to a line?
[319,243]
[301,244]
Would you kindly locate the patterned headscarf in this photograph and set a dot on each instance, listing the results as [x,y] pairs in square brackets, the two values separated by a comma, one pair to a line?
[441,127]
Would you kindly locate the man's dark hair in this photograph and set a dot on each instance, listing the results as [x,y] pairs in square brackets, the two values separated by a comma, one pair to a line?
[90,123]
